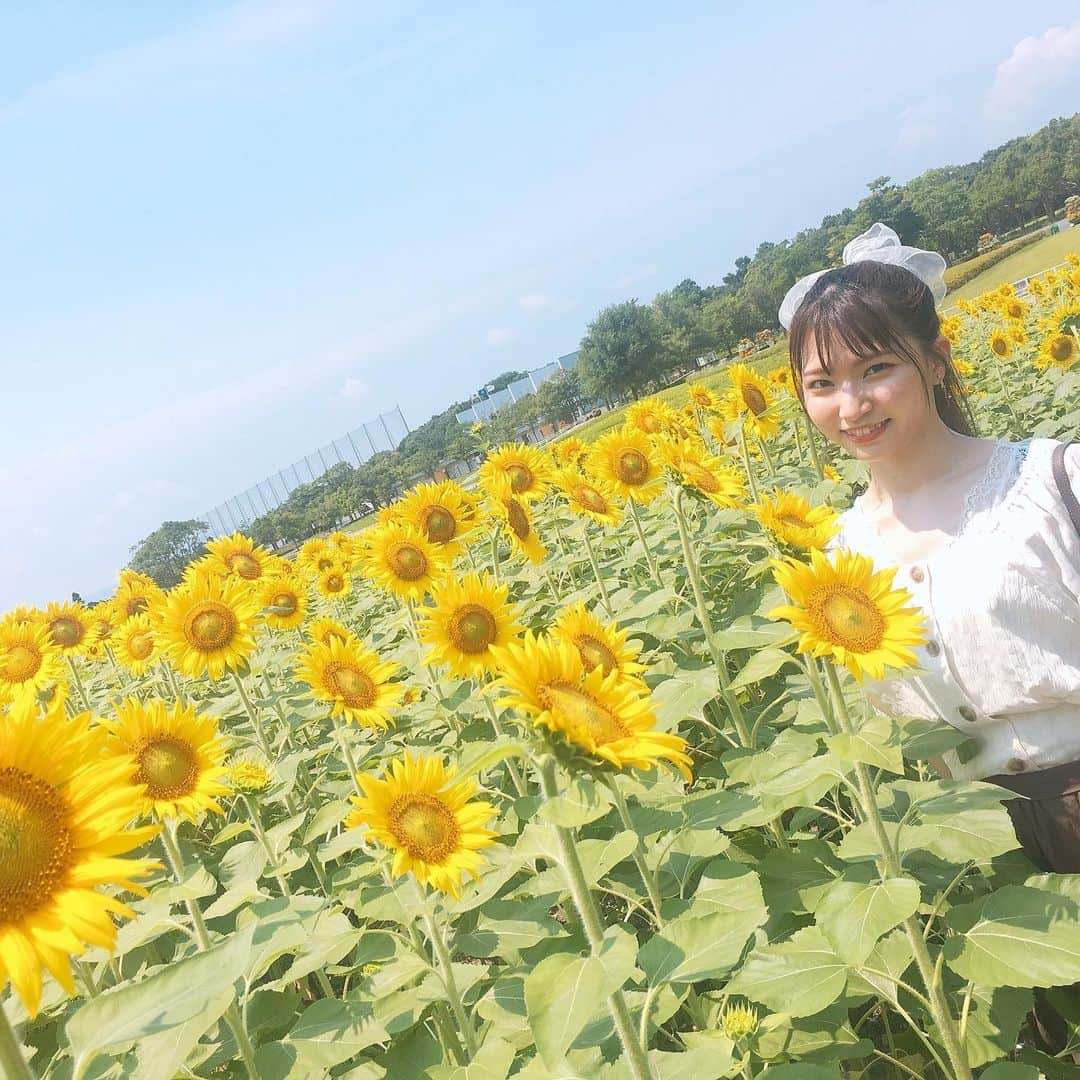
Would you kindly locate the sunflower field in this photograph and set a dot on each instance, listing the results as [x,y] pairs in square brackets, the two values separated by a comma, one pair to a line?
[567,777]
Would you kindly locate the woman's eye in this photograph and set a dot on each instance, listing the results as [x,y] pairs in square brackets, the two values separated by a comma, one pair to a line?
[817,384]
[874,368]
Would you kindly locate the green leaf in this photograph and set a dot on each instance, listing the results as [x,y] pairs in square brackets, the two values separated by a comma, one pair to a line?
[800,1070]
[584,800]
[328,938]
[826,1037]
[923,739]
[994,1019]
[1016,936]
[686,695]
[854,916]
[199,987]
[712,1059]
[788,749]
[727,886]
[492,1062]
[1012,1070]
[881,970]
[761,665]
[332,1031]
[800,976]
[973,835]
[326,818]
[876,743]
[562,993]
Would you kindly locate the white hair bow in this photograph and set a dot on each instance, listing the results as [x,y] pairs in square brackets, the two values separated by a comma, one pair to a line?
[878,244]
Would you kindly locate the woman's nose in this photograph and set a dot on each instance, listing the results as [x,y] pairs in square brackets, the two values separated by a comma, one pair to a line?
[854,401]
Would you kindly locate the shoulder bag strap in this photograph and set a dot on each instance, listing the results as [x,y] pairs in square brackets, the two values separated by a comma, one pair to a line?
[1061,478]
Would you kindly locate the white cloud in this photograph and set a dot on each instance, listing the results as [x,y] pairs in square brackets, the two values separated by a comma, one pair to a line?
[921,123]
[499,336]
[1035,64]
[534,302]
[355,389]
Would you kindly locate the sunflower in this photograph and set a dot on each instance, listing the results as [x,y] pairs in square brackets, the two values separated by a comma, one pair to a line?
[701,396]
[1001,344]
[334,582]
[599,644]
[625,460]
[353,680]
[527,469]
[1012,307]
[68,625]
[64,812]
[751,400]
[704,473]
[315,555]
[136,644]
[962,367]
[135,593]
[403,561]
[516,519]
[1037,287]
[28,661]
[469,617]
[793,521]
[284,603]
[175,752]
[849,613]
[248,777]
[430,821]
[650,416]
[606,716]
[570,452]
[780,377]
[588,496]
[207,626]
[1017,335]
[444,513]
[237,556]
[323,630]
[103,621]
[1058,350]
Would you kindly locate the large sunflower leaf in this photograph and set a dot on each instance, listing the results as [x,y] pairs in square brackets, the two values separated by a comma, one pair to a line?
[854,916]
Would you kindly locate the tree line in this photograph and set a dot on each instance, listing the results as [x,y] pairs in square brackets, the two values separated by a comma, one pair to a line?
[630,348]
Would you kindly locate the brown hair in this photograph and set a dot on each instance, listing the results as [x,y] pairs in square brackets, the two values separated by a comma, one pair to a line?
[872,308]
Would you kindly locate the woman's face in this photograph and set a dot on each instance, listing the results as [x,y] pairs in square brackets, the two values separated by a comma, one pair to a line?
[874,408]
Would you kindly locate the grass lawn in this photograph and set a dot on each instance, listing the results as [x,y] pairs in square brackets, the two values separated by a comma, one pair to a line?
[1030,260]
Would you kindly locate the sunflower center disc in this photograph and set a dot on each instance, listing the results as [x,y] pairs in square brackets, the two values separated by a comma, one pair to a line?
[584,719]
[424,826]
[793,521]
[594,653]
[210,626]
[285,603]
[408,562]
[472,629]
[35,843]
[354,687]
[244,565]
[590,498]
[632,467]
[439,524]
[23,662]
[334,583]
[167,767]
[135,605]
[1061,348]
[66,631]
[754,399]
[700,477]
[1000,346]
[521,477]
[849,617]
[141,645]
[518,519]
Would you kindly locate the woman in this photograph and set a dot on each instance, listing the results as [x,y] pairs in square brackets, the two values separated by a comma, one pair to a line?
[986,533]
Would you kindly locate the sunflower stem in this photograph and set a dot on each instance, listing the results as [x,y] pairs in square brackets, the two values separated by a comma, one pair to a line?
[652,886]
[889,867]
[511,766]
[809,431]
[12,1063]
[765,454]
[232,1014]
[264,840]
[77,680]
[253,716]
[495,555]
[593,927]
[171,683]
[649,558]
[745,451]
[448,1033]
[553,587]
[346,750]
[718,658]
[605,599]
[438,943]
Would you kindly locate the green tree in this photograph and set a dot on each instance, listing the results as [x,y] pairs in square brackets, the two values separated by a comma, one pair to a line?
[683,333]
[560,399]
[621,351]
[166,552]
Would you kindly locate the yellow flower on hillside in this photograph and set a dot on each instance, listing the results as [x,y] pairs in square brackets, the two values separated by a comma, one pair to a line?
[284,603]
[705,473]
[781,377]
[334,582]
[516,520]
[1001,344]
[1012,307]
[626,461]
[353,680]
[236,556]
[588,496]
[444,513]
[850,613]
[323,630]
[526,468]
[28,662]
[403,561]
[316,555]
[792,520]
[427,818]
[134,594]
[962,367]
[135,644]
[469,617]
[650,416]
[248,777]
[570,452]
[701,396]
[605,716]
[68,625]
[599,644]
[175,752]
[751,400]
[64,816]
[206,626]
[1060,344]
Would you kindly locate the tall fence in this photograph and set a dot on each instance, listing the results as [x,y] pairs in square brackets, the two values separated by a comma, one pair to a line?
[355,447]
[484,408]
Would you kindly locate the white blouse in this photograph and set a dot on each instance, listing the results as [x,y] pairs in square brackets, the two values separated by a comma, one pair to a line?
[1002,606]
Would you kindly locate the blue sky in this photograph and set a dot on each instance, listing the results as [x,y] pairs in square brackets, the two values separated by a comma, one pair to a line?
[232,231]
